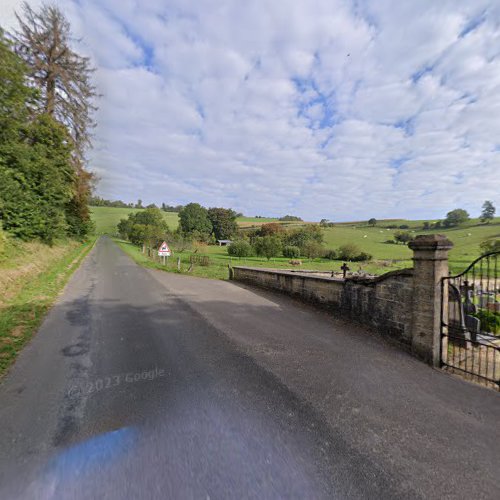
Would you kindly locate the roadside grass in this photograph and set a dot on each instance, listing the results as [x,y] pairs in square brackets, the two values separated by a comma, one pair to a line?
[31,289]
[220,260]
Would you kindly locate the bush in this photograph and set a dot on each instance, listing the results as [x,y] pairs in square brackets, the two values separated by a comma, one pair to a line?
[403,237]
[312,250]
[362,257]
[488,246]
[240,249]
[404,226]
[490,321]
[291,252]
[3,239]
[348,252]
[331,254]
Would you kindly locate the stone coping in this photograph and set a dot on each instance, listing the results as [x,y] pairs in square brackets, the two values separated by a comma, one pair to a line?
[308,274]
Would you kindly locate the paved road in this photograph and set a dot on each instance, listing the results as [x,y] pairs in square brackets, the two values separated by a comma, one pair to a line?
[144,384]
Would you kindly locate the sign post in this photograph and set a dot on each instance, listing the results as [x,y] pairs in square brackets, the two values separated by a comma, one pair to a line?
[164,251]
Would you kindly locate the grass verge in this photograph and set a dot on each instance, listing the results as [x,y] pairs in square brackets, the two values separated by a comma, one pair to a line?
[217,269]
[22,312]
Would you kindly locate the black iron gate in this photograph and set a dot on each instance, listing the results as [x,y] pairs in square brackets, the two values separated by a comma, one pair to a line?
[470,322]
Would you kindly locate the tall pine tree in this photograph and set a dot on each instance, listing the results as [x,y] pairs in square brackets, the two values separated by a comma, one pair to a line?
[66,93]
[36,175]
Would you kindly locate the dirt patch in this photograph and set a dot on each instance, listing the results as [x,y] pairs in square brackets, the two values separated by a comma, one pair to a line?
[17,331]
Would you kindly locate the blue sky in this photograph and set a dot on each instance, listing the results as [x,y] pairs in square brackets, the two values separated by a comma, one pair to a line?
[343,110]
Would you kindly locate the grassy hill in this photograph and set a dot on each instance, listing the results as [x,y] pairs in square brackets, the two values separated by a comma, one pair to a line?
[373,240]
[106,218]
[466,240]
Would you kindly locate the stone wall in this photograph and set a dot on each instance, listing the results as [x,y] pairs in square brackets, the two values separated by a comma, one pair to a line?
[383,303]
[404,305]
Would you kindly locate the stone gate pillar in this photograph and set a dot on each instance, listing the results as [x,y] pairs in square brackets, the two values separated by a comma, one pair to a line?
[430,257]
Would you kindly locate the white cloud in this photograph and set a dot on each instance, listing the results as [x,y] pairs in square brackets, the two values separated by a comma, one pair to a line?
[326,108]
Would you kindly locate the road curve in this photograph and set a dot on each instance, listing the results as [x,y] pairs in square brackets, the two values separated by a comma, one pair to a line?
[143,384]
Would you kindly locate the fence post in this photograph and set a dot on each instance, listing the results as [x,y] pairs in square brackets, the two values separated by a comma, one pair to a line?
[430,258]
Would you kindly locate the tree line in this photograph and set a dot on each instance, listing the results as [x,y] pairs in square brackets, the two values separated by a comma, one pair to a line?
[148,228]
[453,218]
[46,107]
[196,223]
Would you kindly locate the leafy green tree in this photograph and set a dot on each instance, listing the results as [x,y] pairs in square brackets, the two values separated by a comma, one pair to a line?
[488,212]
[290,218]
[312,249]
[456,217]
[299,237]
[268,246]
[271,229]
[37,181]
[488,246]
[240,249]
[193,219]
[291,252]
[349,251]
[223,222]
[402,237]
[146,227]
[372,222]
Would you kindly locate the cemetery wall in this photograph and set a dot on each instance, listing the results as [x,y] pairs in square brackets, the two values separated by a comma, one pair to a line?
[383,303]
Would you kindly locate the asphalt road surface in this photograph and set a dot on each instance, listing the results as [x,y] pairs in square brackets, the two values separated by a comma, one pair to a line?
[144,384]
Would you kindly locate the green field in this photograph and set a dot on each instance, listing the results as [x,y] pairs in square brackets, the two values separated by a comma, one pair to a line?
[373,240]
[106,218]
[466,240]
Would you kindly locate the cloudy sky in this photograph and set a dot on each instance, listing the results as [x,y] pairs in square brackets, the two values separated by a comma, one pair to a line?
[321,108]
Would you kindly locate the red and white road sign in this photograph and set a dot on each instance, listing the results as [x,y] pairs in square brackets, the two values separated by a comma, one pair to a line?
[164,250]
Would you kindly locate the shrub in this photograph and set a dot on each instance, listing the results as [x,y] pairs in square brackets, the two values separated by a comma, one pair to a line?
[3,239]
[362,257]
[488,246]
[331,254]
[490,321]
[348,251]
[291,252]
[403,237]
[312,250]
[240,249]
[404,226]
